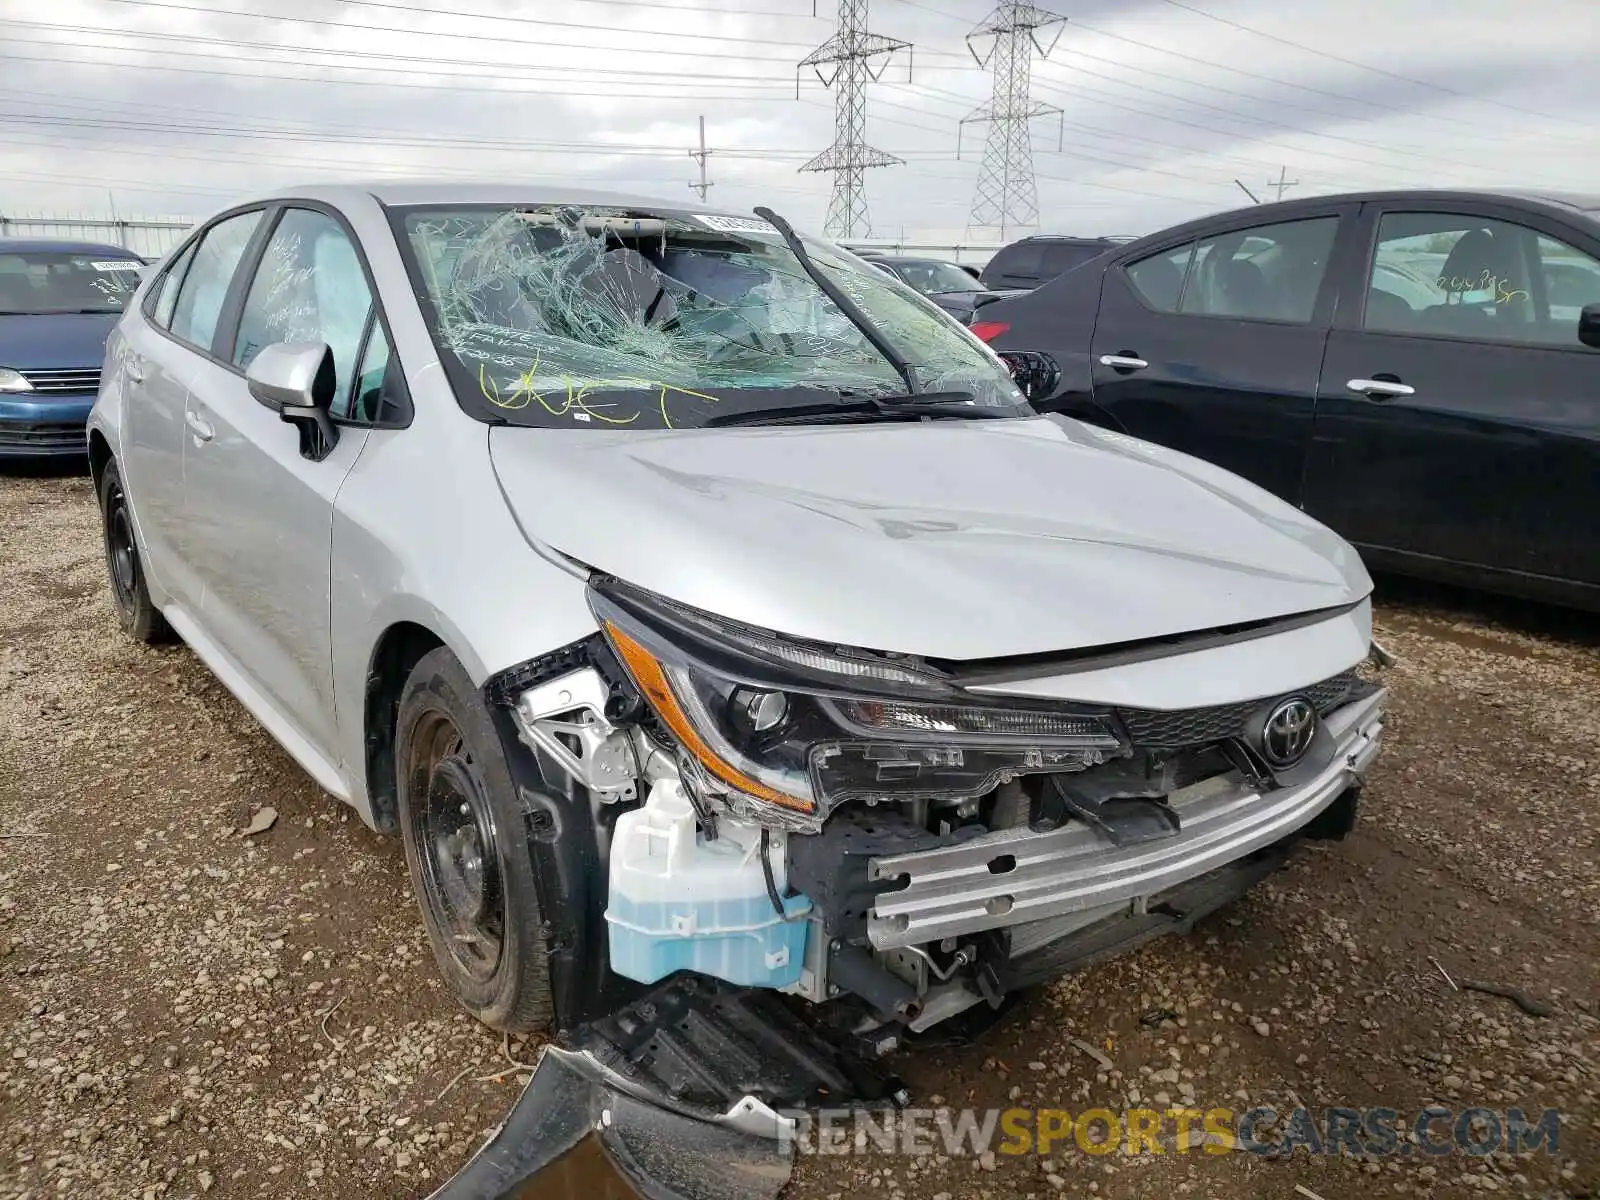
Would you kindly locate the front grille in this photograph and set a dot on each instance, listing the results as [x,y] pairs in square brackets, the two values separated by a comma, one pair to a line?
[59,435]
[85,382]
[1198,726]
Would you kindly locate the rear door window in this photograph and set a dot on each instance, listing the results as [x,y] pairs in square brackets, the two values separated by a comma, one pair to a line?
[205,284]
[1159,278]
[1269,273]
[164,293]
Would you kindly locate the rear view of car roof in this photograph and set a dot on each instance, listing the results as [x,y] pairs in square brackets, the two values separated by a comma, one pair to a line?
[1035,260]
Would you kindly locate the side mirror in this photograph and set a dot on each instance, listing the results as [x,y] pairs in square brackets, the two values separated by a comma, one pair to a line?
[1037,375]
[296,380]
[1589,325]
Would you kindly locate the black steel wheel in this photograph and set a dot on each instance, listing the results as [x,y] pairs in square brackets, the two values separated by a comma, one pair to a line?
[136,612]
[466,847]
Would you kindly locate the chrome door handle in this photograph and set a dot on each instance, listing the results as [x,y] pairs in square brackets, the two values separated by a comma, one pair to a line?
[199,426]
[1123,362]
[1380,388]
[134,373]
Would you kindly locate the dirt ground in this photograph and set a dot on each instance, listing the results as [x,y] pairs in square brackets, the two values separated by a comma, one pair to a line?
[186,1010]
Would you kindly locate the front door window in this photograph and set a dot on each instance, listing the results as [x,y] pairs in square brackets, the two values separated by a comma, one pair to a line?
[1458,275]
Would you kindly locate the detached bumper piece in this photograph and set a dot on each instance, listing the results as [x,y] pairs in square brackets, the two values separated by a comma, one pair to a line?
[1020,876]
[573,1137]
[674,1097]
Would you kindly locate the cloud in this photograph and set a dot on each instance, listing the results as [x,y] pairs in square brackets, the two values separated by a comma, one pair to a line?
[174,106]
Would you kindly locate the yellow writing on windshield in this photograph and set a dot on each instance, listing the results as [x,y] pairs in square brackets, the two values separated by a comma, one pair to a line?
[520,393]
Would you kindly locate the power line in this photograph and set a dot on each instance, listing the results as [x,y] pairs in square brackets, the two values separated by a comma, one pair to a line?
[1350,62]
[1520,137]
[245,44]
[343,167]
[538,22]
[1121,138]
[1006,195]
[850,52]
[79,180]
[1410,152]
[367,136]
[783,90]
[1095,96]
[1474,126]
[386,138]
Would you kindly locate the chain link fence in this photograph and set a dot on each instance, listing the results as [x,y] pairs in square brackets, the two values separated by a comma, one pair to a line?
[148,237]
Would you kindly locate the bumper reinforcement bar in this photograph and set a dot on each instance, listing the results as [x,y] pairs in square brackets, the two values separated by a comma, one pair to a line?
[1018,875]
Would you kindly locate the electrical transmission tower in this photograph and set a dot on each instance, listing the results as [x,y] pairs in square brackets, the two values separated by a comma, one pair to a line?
[1006,196]
[851,52]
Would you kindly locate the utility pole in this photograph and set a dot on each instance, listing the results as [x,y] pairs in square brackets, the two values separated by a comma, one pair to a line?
[1006,194]
[1281,183]
[700,157]
[850,52]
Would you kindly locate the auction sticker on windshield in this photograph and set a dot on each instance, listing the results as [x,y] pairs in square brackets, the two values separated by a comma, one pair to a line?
[737,224]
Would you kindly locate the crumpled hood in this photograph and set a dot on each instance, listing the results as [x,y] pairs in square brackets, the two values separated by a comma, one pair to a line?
[950,539]
[55,341]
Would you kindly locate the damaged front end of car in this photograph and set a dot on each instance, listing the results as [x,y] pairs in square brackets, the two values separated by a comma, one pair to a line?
[803,856]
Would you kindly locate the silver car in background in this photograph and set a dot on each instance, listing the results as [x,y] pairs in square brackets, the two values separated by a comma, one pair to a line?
[698,602]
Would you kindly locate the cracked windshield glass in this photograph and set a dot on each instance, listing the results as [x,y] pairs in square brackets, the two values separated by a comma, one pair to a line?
[598,317]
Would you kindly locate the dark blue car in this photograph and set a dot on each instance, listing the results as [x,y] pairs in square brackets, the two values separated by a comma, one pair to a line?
[58,301]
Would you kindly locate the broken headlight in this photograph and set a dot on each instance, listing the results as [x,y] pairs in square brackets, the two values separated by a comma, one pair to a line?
[799,728]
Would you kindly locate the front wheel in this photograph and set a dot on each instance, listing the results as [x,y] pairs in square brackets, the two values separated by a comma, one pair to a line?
[466,848]
[136,611]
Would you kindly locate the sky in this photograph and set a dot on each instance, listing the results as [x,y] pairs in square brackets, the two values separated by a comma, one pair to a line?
[179,106]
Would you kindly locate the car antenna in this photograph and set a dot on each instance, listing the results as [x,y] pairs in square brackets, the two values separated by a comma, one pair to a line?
[846,305]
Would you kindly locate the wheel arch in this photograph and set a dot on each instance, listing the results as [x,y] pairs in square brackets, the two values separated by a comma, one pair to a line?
[397,650]
[99,455]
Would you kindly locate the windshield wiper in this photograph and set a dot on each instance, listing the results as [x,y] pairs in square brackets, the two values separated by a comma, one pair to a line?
[909,407]
[834,292]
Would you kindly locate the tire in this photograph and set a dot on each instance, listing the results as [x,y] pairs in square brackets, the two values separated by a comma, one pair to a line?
[136,611]
[465,840]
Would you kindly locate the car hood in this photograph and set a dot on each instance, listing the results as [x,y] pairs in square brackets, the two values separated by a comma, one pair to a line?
[950,539]
[54,341]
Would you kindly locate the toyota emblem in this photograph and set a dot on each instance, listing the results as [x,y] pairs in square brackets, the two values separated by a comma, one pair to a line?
[1289,731]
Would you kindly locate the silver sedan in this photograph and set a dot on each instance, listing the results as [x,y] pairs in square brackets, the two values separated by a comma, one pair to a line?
[692,596]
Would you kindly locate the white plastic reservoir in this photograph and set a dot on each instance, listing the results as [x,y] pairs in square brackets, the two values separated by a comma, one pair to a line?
[681,903]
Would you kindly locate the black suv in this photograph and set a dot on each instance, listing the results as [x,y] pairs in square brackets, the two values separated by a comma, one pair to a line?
[1035,260]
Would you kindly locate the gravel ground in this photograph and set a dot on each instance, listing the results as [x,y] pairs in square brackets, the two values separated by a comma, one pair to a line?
[189,1009]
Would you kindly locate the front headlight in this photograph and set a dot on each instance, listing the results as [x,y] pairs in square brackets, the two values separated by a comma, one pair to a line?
[797,728]
[13,381]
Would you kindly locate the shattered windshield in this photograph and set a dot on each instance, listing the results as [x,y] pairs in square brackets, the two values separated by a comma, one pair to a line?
[582,315]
